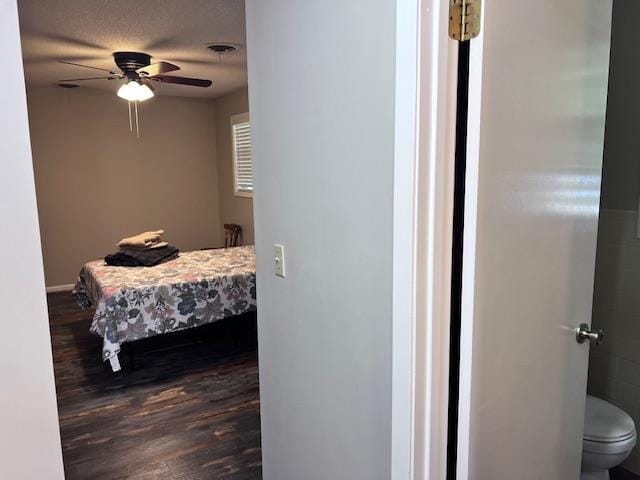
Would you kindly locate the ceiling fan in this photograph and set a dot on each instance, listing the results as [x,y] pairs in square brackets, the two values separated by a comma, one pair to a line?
[138,71]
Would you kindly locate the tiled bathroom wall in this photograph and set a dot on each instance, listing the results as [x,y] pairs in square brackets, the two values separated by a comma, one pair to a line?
[614,366]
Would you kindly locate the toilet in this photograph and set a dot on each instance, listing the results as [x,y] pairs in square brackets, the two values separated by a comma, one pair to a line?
[609,437]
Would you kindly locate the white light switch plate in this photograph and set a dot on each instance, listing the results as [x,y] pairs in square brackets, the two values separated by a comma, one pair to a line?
[279,260]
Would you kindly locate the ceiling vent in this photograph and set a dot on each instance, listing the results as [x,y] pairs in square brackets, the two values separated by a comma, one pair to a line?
[223,48]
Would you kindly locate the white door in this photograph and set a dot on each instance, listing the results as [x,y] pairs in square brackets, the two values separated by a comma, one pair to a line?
[538,85]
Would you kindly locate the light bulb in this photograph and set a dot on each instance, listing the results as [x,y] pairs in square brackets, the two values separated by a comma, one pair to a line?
[144,93]
[134,91]
[127,91]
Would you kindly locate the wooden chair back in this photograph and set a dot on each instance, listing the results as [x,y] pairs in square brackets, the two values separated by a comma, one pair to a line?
[232,235]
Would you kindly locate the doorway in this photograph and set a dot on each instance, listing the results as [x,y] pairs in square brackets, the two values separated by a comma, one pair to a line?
[614,365]
[155,359]
[534,155]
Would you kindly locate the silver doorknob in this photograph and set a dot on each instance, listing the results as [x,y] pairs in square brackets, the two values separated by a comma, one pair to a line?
[584,333]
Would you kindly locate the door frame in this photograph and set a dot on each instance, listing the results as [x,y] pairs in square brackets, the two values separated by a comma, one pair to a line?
[30,438]
[426,91]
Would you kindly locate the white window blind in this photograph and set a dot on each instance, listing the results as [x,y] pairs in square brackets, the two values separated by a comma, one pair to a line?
[242,166]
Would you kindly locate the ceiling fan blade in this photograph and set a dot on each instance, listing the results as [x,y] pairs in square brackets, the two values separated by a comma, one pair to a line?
[158,69]
[87,66]
[193,82]
[90,78]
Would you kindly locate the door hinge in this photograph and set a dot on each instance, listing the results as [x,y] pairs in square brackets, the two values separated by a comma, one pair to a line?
[464,19]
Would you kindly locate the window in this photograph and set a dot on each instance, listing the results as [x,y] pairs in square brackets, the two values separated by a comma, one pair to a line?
[242,167]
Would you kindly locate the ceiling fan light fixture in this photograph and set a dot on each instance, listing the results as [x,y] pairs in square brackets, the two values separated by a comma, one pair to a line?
[133,91]
[145,93]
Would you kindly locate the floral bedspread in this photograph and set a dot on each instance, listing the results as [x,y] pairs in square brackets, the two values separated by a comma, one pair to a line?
[137,302]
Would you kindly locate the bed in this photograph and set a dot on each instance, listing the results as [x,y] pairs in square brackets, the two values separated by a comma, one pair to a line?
[198,288]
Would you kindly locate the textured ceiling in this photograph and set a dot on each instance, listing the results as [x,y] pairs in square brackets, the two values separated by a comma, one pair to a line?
[89,31]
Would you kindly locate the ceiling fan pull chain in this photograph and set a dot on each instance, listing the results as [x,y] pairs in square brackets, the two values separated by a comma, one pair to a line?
[130,120]
[135,102]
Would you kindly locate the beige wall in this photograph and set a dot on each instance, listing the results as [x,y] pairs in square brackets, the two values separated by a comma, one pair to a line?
[232,209]
[96,182]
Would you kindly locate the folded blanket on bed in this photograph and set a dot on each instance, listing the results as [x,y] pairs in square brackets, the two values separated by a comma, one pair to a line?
[132,257]
[142,240]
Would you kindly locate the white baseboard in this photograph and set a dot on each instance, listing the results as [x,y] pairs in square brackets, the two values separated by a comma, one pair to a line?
[60,288]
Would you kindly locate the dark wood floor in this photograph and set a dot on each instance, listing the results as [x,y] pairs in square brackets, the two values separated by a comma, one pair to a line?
[621,474]
[189,409]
